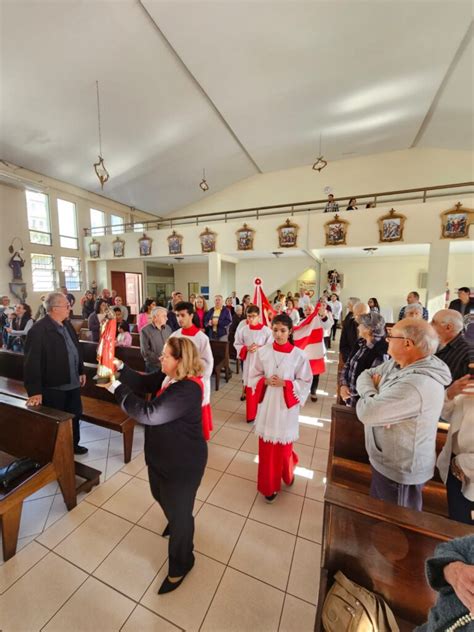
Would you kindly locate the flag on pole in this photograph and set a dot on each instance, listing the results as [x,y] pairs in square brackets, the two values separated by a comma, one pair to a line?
[266,310]
[308,336]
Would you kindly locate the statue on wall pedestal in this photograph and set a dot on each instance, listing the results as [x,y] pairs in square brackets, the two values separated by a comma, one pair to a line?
[16,263]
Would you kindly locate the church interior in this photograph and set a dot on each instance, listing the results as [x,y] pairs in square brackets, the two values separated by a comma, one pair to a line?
[237,316]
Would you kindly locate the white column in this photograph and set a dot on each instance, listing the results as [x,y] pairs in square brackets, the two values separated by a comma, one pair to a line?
[215,275]
[437,275]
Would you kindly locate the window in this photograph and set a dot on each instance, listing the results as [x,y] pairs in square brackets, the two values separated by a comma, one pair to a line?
[38,218]
[67,224]
[138,227]
[71,266]
[117,224]
[43,273]
[97,222]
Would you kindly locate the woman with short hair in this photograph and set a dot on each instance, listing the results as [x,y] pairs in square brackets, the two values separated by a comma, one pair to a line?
[175,448]
[20,325]
[95,319]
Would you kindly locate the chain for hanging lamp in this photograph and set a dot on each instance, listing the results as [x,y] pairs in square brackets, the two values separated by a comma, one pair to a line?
[99,167]
[320,161]
[203,184]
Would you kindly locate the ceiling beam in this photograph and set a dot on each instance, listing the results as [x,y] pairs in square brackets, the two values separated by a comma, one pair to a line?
[199,86]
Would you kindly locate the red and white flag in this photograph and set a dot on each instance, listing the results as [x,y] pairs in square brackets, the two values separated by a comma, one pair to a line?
[308,335]
[266,310]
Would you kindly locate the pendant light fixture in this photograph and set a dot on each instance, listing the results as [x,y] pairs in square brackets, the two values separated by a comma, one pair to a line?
[320,162]
[99,167]
[203,184]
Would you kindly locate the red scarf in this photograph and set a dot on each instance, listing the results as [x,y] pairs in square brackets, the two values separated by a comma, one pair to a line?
[256,327]
[198,380]
[190,331]
[286,348]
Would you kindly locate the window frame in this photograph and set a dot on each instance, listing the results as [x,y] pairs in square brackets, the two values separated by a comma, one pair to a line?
[72,237]
[32,230]
[114,226]
[97,231]
[79,273]
[53,284]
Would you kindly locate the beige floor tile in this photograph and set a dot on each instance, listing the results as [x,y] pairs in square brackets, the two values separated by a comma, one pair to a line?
[57,511]
[243,603]
[219,417]
[320,460]
[187,606]
[229,437]
[115,463]
[93,607]
[304,575]
[234,395]
[239,422]
[97,450]
[250,444]
[208,482]
[233,493]
[142,620]
[297,616]
[34,515]
[143,473]
[103,492]
[311,525]
[132,565]
[244,465]
[131,501]
[307,434]
[305,453]
[316,486]
[135,465]
[155,520]
[20,563]
[216,532]
[94,433]
[228,405]
[116,444]
[93,540]
[264,553]
[299,486]
[65,525]
[44,589]
[322,440]
[48,490]
[283,514]
[219,456]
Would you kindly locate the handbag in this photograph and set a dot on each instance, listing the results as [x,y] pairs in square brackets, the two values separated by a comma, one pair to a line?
[349,607]
[11,472]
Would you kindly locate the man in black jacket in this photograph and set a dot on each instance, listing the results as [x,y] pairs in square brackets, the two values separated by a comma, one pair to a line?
[53,367]
[349,335]
[464,304]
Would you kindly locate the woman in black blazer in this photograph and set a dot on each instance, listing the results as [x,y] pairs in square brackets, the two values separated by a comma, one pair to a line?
[175,448]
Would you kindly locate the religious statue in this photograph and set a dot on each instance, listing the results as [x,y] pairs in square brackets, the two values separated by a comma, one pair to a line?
[334,281]
[16,264]
[106,348]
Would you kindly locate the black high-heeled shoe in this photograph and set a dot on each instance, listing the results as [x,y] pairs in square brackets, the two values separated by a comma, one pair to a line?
[167,586]
[166,532]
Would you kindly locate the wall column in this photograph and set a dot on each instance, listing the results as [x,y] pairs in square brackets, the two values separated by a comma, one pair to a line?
[437,276]
[215,275]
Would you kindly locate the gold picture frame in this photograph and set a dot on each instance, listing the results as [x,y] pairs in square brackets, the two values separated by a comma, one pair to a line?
[175,244]
[245,237]
[118,247]
[288,235]
[391,226]
[336,231]
[208,241]
[455,222]
[144,246]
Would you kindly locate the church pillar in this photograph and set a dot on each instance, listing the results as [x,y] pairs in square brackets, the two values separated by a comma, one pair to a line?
[215,275]
[437,276]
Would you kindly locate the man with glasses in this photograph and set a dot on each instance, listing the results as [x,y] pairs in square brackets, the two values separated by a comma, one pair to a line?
[53,368]
[400,405]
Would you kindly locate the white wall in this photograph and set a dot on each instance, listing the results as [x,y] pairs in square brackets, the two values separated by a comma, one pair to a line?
[185,273]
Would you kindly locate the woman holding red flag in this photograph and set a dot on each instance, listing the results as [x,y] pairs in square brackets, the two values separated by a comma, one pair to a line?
[281,380]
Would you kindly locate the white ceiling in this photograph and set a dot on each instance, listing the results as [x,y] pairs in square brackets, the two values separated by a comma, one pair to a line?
[236,87]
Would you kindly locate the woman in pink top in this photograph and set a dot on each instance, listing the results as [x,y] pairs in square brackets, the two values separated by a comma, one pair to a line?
[200,310]
[124,337]
[144,317]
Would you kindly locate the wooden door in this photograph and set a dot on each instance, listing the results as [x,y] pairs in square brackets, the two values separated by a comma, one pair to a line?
[119,285]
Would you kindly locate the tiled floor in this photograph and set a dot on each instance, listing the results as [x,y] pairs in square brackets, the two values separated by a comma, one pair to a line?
[98,567]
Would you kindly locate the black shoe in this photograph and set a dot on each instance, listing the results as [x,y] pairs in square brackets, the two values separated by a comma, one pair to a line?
[167,586]
[166,532]
[250,421]
[271,498]
[242,398]
[314,398]
[80,449]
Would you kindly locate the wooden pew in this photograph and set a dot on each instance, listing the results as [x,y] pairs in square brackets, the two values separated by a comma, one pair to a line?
[130,355]
[44,435]
[220,353]
[99,407]
[383,548]
[85,334]
[78,323]
[348,462]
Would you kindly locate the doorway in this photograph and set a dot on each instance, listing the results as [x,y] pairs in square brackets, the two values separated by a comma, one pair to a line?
[128,285]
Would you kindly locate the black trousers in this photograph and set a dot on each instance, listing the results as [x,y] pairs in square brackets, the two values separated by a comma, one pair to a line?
[334,328]
[327,341]
[69,402]
[314,384]
[176,498]
[459,507]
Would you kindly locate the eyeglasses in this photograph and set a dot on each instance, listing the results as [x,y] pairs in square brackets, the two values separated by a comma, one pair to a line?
[388,338]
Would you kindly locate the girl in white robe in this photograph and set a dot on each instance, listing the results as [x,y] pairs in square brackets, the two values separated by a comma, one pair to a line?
[248,339]
[281,380]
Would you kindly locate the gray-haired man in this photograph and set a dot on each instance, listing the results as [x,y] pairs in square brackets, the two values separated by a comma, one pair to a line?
[153,338]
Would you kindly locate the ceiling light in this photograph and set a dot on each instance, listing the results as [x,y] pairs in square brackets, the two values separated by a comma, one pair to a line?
[320,162]
[99,167]
[370,251]
[203,184]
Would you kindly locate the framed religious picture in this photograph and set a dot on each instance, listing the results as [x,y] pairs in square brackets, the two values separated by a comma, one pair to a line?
[175,244]
[455,222]
[336,231]
[94,249]
[118,247]
[391,226]
[287,235]
[245,237]
[144,244]
[208,240]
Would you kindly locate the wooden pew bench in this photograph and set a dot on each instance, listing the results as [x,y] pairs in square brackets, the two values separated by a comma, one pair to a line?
[383,548]
[44,435]
[220,353]
[348,462]
[130,355]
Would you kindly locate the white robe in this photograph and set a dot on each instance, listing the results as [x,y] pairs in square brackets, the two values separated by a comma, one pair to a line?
[204,348]
[276,422]
[245,337]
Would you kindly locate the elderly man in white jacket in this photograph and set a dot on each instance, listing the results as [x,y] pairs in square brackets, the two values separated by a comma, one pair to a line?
[456,460]
[400,405]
